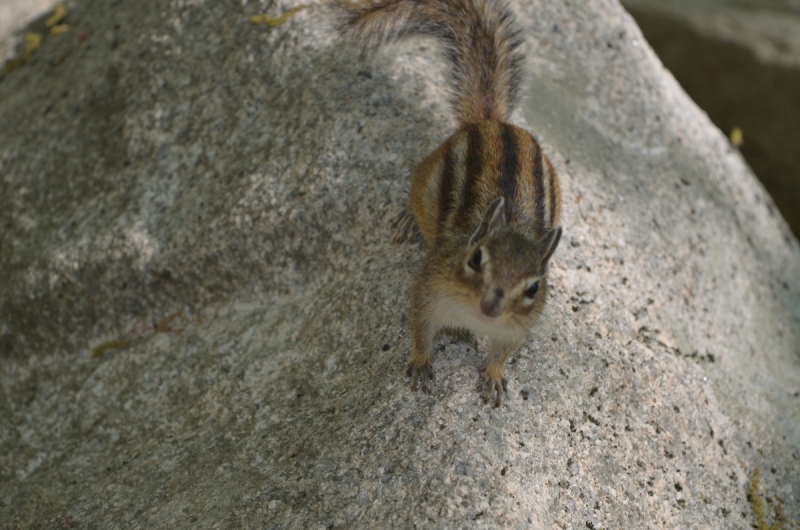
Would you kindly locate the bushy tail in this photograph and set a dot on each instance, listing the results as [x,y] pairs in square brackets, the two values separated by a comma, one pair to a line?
[480,39]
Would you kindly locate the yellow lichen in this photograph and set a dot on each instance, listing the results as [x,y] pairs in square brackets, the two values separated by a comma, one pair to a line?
[59,12]
[32,43]
[163,324]
[34,40]
[760,508]
[737,137]
[118,344]
[13,64]
[351,3]
[277,21]
[137,332]
[59,29]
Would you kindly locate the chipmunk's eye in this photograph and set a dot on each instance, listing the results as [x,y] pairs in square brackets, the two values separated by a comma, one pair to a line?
[531,292]
[475,261]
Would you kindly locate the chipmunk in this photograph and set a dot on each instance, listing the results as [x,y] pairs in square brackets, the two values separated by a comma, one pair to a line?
[487,202]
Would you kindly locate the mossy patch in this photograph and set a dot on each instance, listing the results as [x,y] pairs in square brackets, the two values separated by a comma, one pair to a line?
[118,344]
[280,19]
[33,41]
[761,509]
[162,326]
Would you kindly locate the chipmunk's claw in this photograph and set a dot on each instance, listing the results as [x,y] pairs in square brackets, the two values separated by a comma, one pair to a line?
[490,387]
[420,373]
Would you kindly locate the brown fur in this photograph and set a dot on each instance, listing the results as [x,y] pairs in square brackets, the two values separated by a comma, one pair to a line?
[480,43]
[481,161]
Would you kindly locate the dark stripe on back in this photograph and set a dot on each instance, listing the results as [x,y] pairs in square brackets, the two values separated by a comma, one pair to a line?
[553,205]
[473,167]
[446,191]
[538,178]
[508,170]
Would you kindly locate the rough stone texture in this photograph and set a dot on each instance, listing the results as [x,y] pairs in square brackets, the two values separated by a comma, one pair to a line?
[182,159]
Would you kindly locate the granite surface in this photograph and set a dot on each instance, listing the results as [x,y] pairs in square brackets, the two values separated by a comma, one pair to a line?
[218,196]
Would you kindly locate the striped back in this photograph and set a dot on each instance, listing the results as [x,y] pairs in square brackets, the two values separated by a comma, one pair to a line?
[480,162]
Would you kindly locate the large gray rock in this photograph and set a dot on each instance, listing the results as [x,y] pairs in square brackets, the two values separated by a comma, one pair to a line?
[180,159]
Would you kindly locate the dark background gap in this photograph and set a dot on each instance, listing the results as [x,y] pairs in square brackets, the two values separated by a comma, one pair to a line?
[737,90]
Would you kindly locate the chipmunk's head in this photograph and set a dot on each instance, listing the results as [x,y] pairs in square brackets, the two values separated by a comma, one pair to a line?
[506,269]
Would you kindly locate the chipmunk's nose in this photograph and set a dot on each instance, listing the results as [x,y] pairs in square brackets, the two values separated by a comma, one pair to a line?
[491,303]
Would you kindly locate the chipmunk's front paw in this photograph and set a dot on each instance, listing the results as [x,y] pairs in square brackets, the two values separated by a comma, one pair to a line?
[420,372]
[492,386]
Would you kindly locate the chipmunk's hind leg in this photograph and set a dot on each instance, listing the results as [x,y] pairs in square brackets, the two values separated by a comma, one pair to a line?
[405,228]
[420,365]
[420,370]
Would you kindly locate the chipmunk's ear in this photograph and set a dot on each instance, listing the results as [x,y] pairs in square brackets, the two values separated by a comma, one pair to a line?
[548,245]
[493,220]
